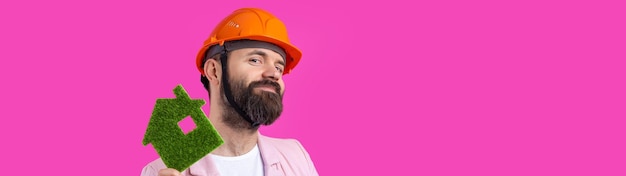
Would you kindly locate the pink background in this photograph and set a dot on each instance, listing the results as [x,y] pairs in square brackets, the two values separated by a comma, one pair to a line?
[444,87]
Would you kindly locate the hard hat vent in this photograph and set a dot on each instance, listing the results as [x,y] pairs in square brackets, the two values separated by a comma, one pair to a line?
[233,24]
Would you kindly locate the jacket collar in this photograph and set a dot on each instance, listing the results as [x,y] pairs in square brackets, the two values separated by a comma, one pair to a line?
[271,157]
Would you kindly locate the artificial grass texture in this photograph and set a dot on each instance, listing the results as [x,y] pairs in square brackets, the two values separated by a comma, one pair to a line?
[177,150]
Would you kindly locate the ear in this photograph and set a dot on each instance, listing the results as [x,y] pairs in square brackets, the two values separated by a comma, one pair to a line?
[213,71]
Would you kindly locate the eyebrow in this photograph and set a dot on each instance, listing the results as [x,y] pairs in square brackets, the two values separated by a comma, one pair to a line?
[263,54]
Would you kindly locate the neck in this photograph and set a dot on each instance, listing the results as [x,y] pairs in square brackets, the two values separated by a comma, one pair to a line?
[237,141]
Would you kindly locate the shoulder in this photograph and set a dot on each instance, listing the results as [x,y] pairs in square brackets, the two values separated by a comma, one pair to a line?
[290,152]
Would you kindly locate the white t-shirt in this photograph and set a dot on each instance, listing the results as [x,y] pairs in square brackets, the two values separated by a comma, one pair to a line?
[249,164]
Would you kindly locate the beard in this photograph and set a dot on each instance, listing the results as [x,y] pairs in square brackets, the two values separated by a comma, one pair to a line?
[263,107]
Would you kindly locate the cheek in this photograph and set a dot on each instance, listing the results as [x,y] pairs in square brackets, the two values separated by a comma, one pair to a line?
[282,86]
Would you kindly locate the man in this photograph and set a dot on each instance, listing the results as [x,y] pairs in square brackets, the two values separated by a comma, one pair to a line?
[241,66]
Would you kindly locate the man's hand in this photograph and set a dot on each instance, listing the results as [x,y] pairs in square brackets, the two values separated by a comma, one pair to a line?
[169,172]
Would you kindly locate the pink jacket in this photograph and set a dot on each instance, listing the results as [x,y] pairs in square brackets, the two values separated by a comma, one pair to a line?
[281,157]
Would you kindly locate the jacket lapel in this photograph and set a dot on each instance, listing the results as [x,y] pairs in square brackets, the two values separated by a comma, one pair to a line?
[271,158]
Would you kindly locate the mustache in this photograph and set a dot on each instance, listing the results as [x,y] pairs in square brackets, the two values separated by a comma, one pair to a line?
[273,84]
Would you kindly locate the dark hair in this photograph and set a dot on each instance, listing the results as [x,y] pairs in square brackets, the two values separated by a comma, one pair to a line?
[205,82]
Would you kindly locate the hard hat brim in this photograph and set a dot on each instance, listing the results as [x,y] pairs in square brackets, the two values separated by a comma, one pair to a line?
[293,54]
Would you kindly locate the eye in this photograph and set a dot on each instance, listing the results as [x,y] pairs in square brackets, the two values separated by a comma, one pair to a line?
[255,61]
[280,68]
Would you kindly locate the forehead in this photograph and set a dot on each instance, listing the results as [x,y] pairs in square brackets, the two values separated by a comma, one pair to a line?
[258,51]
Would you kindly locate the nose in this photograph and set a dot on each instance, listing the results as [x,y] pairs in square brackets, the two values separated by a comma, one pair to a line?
[272,73]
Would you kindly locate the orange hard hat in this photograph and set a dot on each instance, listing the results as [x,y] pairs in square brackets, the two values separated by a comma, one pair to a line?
[252,24]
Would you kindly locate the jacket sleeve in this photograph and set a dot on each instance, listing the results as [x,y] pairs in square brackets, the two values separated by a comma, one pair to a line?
[311,166]
[152,168]
[149,171]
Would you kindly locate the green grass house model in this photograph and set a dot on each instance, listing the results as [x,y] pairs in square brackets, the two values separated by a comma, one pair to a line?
[177,149]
